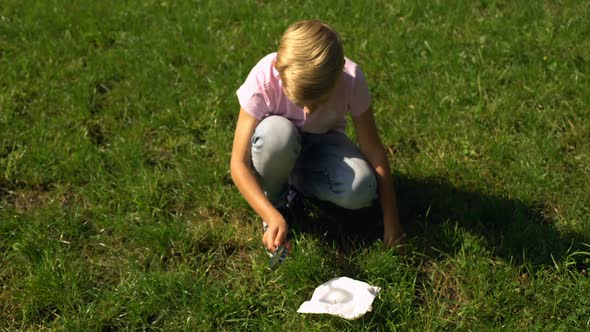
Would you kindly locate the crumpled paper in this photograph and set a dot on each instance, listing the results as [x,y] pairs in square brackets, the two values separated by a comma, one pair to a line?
[343,297]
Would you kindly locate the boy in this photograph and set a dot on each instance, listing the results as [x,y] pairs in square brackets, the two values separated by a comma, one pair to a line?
[290,130]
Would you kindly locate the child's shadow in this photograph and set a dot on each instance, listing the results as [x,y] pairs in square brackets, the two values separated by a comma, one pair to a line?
[437,216]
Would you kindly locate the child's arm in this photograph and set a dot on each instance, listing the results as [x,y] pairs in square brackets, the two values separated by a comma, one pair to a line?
[241,173]
[373,150]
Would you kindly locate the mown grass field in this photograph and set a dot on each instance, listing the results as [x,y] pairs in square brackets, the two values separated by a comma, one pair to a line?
[117,211]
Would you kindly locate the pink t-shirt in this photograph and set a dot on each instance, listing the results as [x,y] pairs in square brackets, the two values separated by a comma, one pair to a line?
[262,95]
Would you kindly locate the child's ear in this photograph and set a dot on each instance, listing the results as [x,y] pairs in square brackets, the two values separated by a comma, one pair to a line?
[274,61]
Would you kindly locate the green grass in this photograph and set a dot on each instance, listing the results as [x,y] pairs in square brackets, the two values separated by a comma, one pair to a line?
[117,210]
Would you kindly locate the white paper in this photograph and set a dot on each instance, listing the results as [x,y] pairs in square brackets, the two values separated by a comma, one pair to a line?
[343,297]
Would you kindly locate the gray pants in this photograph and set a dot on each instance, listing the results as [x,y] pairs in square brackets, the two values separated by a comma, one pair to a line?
[328,166]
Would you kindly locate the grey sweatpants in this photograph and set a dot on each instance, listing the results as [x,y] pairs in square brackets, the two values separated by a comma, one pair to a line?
[328,166]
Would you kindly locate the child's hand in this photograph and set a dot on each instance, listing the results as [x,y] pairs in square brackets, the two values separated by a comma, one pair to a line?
[393,236]
[275,234]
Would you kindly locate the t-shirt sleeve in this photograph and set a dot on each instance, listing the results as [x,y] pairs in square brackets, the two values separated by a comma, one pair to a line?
[361,98]
[252,95]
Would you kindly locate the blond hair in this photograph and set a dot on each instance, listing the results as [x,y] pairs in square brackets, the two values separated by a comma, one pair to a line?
[310,60]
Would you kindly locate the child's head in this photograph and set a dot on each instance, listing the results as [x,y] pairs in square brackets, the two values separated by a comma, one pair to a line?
[310,60]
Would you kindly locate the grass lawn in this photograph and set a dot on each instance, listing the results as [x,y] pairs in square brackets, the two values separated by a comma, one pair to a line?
[117,211]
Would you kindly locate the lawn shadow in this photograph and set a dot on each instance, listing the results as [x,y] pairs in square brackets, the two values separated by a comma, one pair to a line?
[511,229]
[336,225]
[435,213]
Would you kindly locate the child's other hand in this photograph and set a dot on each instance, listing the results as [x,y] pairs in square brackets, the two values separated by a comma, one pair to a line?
[275,234]
[393,237]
